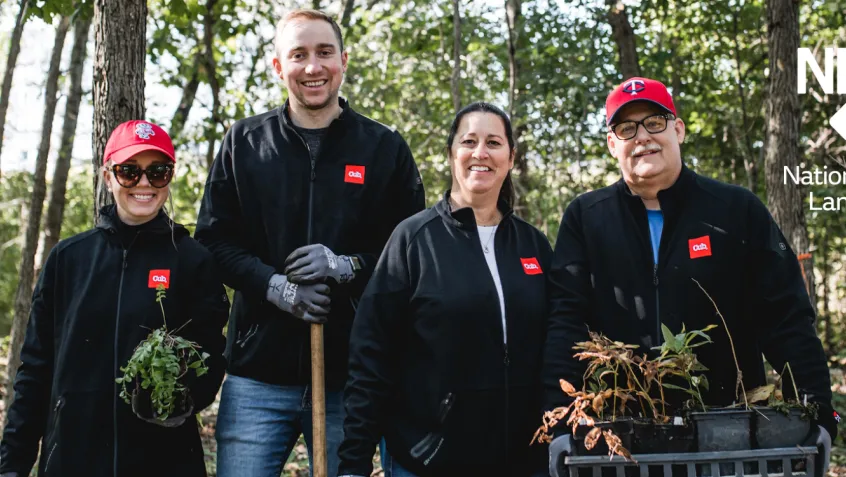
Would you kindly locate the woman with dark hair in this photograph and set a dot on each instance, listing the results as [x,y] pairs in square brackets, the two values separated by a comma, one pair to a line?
[100,295]
[446,344]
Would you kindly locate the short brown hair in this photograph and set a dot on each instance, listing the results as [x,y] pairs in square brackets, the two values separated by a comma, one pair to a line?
[308,15]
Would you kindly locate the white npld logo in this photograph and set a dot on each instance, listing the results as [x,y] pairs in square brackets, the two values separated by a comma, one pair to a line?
[700,247]
[825,79]
[355,174]
[159,278]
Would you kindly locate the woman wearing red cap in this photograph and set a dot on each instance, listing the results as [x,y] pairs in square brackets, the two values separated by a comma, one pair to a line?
[95,301]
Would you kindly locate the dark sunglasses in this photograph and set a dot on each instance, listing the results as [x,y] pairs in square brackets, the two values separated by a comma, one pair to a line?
[128,175]
[654,124]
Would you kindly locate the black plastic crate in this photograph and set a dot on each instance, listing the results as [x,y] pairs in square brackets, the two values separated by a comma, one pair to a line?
[784,462]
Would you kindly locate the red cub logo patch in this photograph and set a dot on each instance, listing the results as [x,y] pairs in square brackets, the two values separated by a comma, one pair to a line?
[531,266]
[159,277]
[354,174]
[700,247]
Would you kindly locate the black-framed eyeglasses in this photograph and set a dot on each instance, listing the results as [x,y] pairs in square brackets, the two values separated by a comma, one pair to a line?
[128,175]
[654,124]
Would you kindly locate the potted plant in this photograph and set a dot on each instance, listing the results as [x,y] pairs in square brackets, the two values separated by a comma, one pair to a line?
[724,429]
[781,423]
[676,361]
[154,377]
[586,429]
[614,386]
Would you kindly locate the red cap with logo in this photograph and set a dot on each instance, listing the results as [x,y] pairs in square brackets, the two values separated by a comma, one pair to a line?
[638,89]
[136,136]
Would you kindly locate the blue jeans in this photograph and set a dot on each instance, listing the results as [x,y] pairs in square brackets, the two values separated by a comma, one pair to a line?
[389,465]
[258,425]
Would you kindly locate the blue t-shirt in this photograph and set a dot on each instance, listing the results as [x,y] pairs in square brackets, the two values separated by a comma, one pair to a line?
[656,226]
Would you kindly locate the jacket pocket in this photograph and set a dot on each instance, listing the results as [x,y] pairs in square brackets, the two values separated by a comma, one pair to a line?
[427,448]
[53,437]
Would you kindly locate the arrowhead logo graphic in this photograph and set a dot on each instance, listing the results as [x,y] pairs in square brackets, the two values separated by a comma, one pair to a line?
[838,121]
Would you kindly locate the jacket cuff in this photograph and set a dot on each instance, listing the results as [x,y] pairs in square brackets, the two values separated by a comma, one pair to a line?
[262,279]
[828,418]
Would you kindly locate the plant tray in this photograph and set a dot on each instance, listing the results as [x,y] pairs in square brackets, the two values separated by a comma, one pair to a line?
[784,462]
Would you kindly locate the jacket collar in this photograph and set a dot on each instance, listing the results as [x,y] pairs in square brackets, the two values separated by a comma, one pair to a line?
[671,199]
[161,224]
[285,115]
[464,218]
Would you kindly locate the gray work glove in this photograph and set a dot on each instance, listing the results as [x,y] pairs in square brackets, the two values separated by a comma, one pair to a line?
[309,303]
[824,448]
[559,448]
[314,263]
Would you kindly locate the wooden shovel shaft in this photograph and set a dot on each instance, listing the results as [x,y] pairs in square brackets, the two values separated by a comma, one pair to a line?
[318,403]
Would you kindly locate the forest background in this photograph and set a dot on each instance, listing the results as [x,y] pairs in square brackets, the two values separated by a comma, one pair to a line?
[76,68]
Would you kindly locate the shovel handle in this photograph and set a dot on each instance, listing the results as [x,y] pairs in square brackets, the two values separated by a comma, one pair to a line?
[318,403]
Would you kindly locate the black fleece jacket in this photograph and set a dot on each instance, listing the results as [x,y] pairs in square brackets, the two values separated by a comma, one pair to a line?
[94,302]
[265,198]
[430,366]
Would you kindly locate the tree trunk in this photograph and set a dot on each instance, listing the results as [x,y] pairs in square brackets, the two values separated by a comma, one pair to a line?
[347,13]
[11,61]
[120,51]
[825,312]
[189,92]
[782,131]
[456,56]
[749,162]
[211,73]
[516,107]
[23,293]
[56,202]
[624,37]
[675,79]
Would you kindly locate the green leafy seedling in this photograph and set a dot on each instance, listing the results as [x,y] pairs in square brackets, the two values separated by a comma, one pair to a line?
[159,363]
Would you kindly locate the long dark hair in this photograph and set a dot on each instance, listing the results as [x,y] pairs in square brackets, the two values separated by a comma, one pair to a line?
[506,193]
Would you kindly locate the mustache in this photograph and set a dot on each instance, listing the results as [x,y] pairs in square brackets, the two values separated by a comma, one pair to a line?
[646,149]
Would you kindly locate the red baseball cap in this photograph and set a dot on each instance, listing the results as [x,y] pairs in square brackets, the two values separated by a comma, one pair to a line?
[133,137]
[638,89]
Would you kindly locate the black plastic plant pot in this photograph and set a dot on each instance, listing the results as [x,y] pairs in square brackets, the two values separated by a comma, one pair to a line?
[774,429]
[622,427]
[651,438]
[142,406]
[723,430]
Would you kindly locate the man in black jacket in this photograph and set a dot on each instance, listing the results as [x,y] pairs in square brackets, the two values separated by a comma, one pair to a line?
[629,256]
[299,200]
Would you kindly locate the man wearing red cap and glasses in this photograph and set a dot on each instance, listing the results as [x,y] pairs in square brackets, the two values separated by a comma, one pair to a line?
[95,301]
[627,256]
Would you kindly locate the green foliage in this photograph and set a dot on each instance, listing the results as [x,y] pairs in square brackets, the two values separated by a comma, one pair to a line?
[159,363]
[14,197]
[678,359]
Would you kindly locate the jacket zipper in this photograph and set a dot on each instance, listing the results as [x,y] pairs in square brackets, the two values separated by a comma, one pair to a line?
[312,176]
[59,403]
[657,309]
[116,364]
[506,361]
